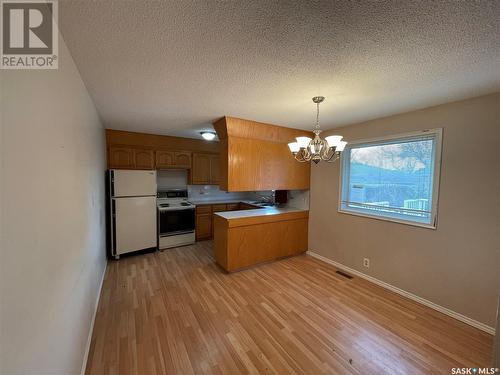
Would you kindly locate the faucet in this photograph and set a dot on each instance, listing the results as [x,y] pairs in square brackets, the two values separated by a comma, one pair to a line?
[267,198]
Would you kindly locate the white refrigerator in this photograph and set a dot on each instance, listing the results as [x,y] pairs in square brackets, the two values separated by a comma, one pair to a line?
[133,210]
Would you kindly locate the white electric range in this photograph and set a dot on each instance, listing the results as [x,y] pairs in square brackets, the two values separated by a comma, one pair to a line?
[176,219]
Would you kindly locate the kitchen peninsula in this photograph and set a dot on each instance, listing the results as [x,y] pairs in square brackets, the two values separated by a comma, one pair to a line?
[249,237]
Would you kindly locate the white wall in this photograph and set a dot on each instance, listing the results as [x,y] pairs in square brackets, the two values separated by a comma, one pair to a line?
[53,232]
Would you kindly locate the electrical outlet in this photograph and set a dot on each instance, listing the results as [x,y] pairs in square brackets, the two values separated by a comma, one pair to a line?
[366,262]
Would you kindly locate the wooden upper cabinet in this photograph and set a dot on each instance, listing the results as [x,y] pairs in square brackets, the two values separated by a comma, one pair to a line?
[120,158]
[144,159]
[205,169]
[200,175]
[130,158]
[182,159]
[130,150]
[173,159]
[164,159]
[255,156]
[214,169]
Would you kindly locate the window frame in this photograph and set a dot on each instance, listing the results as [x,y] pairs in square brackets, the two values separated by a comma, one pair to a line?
[438,134]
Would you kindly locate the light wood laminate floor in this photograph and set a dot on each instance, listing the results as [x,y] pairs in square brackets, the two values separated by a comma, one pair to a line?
[176,312]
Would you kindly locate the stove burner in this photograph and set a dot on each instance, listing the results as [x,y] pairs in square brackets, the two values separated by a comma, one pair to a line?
[185,204]
[164,205]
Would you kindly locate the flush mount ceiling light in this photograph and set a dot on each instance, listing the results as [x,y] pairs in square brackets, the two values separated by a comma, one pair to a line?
[209,136]
[317,149]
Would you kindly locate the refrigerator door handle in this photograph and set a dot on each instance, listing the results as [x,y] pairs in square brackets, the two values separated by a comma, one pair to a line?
[113,230]
[112,183]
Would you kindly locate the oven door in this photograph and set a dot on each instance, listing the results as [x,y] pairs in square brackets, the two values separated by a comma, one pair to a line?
[174,222]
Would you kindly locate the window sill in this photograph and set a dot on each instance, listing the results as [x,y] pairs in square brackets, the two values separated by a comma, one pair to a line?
[405,222]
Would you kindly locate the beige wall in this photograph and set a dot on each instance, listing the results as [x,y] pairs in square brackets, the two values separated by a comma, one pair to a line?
[52,245]
[455,266]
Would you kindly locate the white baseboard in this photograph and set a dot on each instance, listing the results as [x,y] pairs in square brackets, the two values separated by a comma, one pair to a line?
[432,305]
[89,338]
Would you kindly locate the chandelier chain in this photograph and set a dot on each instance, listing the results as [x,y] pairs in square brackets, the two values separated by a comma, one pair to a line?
[317,115]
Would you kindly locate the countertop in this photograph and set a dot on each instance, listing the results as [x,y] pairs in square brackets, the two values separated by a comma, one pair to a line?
[265,211]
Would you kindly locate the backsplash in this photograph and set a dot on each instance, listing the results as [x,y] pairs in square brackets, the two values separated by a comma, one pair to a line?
[212,192]
[177,178]
[296,198]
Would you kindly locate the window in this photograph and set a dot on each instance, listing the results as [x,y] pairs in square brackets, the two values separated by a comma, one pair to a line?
[395,178]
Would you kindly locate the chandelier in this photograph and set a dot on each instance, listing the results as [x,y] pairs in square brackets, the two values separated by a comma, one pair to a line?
[317,149]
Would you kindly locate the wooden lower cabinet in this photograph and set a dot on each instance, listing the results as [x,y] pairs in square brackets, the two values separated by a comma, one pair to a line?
[203,227]
[233,206]
[205,218]
[243,242]
[219,207]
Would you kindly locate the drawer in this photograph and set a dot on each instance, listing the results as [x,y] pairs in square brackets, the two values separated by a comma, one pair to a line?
[219,207]
[233,206]
[204,209]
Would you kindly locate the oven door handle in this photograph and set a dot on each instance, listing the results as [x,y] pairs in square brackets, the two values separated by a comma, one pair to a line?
[168,234]
[161,209]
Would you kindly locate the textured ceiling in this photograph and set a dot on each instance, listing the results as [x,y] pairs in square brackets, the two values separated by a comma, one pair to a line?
[172,67]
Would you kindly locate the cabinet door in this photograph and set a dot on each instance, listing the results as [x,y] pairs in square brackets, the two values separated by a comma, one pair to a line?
[203,209]
[144,159]
[214,169]
[182,159]
[200,174]
[219,207]
[120,158]
[203,227]
[233,206]
[164,159]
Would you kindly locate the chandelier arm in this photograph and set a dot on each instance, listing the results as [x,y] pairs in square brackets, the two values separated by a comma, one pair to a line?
[335,157]
[328,154]
[301,158]
[306,154]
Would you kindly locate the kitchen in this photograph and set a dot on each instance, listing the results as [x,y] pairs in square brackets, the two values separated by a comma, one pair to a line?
[173,201]
[185,177]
